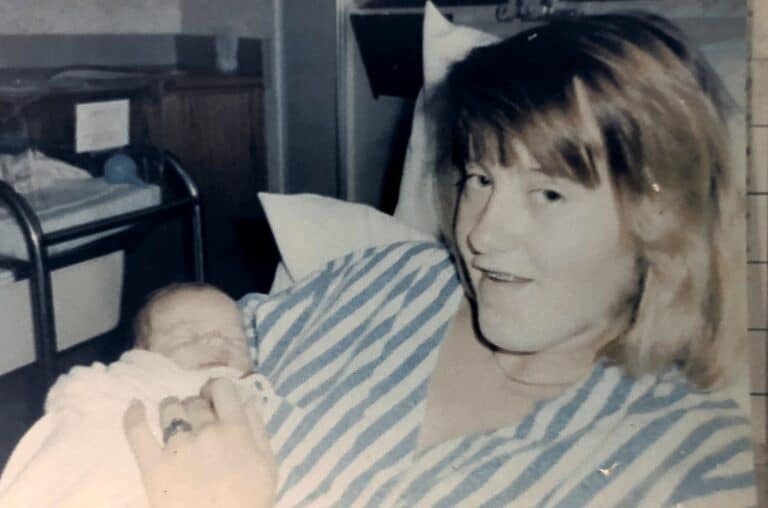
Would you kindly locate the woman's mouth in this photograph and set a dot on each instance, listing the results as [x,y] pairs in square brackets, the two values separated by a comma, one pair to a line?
[506,277]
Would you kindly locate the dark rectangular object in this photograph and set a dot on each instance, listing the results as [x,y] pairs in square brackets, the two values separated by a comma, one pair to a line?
[373,4]
[390,45]
[420,3]
[249,54]
[198,53]
[195,52]
[64,50]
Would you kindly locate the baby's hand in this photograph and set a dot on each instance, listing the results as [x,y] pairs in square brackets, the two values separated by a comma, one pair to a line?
[216,454]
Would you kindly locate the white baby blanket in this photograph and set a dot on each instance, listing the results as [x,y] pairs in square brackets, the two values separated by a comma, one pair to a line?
[76,455]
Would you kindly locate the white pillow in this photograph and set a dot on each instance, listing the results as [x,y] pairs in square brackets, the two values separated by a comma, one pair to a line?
[444,43]
[311,230]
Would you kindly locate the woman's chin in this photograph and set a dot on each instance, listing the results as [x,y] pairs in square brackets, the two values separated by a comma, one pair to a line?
[516,345]
[521,340]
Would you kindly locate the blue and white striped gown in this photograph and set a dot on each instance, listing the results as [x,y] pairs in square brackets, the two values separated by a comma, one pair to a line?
[344,359]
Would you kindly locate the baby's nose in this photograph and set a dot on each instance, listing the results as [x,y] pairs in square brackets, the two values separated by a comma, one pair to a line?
[212,339]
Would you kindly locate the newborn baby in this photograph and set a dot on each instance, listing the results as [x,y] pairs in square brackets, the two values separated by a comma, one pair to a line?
[195,325]
[185,335]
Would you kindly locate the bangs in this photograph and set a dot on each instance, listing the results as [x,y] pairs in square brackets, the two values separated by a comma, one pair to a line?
[522,90]
[553,138]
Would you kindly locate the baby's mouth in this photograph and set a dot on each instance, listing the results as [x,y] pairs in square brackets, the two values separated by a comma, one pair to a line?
[205,365]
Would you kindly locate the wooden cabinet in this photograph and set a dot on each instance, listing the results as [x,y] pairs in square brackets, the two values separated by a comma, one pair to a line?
[214,124]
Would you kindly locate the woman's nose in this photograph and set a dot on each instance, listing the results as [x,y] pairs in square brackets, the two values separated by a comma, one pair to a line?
[501,226]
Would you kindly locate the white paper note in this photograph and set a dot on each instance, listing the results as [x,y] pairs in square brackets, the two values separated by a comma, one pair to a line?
[101,125]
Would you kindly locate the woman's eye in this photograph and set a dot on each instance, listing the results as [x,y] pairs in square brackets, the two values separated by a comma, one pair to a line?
[547,196]
[476,180]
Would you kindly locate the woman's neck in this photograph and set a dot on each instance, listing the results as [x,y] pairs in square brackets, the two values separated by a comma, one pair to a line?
[474,389]
[564,364]
[553,367]
[561,366]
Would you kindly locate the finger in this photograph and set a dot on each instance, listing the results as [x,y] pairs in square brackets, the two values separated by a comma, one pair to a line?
[256,424]
[145,448]
[226,402]
[199,411]
[174,421]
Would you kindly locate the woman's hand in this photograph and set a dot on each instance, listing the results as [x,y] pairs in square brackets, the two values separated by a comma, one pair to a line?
[216,455]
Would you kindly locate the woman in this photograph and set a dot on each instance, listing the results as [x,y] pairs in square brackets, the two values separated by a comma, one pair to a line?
[587,195]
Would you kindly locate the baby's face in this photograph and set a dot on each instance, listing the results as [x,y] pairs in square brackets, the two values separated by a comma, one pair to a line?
[198,329]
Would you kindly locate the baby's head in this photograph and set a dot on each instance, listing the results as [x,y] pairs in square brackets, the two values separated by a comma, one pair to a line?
[195,325]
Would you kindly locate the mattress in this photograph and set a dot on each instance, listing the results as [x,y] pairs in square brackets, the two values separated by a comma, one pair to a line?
[71,203]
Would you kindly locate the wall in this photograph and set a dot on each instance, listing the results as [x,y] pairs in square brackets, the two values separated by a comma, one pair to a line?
[757,226]
[53,33]
[307,63]
[246,18]
[56,33]
[89,16]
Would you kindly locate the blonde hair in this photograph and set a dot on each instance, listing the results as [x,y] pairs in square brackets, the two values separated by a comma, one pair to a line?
[659,113]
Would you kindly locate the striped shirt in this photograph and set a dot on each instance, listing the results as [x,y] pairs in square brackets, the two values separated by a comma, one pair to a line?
[344,359]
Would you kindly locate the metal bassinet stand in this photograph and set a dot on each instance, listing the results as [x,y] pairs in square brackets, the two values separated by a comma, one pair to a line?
[39,262]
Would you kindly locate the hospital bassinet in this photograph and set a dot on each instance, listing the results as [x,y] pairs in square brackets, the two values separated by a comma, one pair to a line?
[81,219]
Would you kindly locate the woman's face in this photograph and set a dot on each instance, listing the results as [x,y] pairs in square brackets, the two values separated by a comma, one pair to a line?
[546,257]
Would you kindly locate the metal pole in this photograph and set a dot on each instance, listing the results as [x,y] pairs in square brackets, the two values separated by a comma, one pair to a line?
[197,235]
[197,216]
[43,320]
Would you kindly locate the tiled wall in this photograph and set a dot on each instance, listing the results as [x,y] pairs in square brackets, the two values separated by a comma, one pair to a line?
[757,230]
